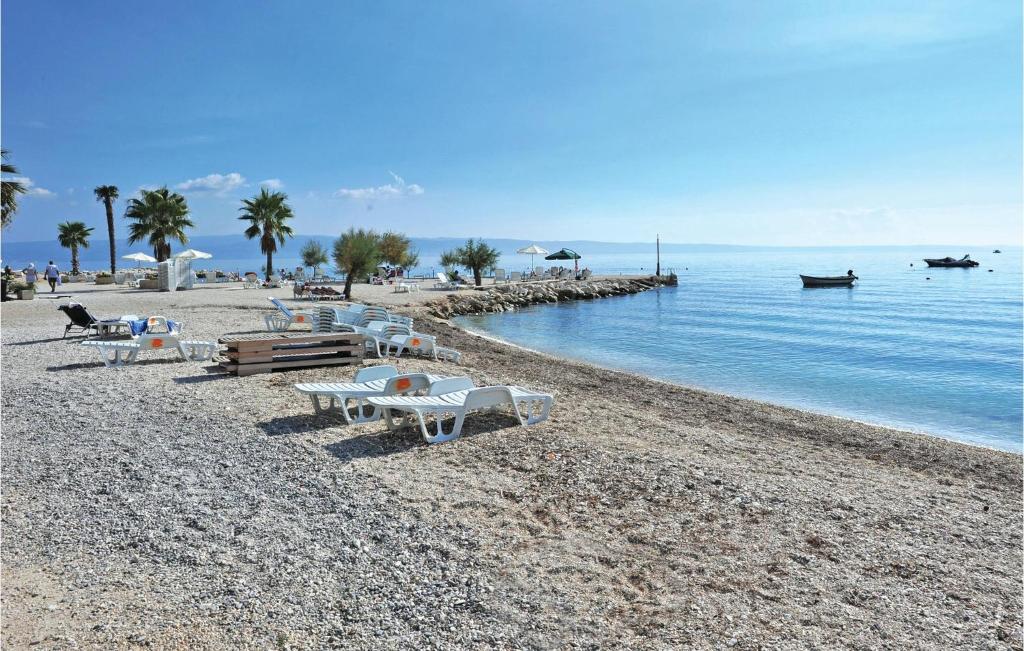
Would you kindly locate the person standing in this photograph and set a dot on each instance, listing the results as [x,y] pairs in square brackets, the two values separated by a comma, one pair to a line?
[31,275]
[52,275]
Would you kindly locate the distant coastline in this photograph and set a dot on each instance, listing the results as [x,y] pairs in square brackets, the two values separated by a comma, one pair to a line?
[233,252]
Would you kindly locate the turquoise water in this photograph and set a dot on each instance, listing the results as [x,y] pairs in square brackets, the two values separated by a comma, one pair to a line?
[931,350]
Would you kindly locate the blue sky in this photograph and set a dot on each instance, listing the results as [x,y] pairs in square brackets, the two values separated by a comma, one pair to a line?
[800,123]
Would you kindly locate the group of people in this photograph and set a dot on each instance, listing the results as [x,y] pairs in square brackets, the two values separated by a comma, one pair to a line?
[31,275]
[386,274]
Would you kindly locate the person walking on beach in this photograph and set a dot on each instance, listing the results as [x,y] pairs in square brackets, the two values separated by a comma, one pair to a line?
[31,275]
[52,275]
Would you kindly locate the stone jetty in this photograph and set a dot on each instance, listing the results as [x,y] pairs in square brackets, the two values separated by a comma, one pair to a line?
[509,297]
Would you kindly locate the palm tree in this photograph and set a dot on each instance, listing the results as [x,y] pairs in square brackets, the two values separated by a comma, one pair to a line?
[159,216]
[267,214]
[357,253]
[476,256]
[72,235]
[313,255]
[9,190]
[108,195]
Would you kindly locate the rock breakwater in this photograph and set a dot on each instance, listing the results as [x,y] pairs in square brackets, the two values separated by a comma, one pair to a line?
[506,298]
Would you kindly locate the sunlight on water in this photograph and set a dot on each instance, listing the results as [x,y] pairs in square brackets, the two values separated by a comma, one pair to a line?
[932,350]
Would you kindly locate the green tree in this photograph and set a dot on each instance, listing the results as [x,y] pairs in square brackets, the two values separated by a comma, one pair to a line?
[158,216]
[9,189]
[475,255]
[313,255]
[268,215]
[73,235]
[396,249]
[108,195]
[410,260]
[357,253]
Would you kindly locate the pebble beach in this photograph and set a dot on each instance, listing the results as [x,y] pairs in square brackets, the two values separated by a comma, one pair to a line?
[167,505]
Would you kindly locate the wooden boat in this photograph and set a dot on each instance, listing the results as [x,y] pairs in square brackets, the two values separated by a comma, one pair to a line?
[997,251]
[828,281]
[951,262]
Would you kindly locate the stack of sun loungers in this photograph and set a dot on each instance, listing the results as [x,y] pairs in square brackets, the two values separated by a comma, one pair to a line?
[384,334]
[379,392]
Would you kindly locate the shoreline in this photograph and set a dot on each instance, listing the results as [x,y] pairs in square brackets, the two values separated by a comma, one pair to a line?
[696,387]
[167,505]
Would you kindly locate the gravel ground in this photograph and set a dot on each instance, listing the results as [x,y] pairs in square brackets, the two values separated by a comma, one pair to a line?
[163,505]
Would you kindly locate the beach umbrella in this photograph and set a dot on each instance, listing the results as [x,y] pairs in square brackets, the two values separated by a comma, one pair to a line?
[192,254]
[531,251]
[566,254]
[139,257]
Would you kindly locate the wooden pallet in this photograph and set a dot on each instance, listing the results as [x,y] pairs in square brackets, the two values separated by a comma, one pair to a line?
[269,351]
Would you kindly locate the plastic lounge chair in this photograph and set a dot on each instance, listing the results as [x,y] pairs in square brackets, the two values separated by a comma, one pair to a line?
[121,353]
[368,382]
[418,344]
[444,283]
[287,318]
[86,322]
[377,335]
[458,396]
[158,336]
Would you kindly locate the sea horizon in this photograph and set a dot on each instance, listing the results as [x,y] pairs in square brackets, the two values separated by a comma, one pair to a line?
[233,252]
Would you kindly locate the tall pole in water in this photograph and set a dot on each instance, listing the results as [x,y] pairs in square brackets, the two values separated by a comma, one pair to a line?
[657,244]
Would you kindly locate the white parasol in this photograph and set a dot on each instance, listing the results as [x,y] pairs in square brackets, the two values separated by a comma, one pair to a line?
[139,257]
[531,251]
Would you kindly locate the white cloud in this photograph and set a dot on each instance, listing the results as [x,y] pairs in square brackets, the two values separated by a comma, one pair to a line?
[214,183]
[272,184]
[31,189]
[396,189]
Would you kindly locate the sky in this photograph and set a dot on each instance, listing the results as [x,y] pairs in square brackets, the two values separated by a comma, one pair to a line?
[783,123]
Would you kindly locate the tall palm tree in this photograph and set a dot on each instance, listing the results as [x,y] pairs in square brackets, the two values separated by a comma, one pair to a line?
[357,253]
[108,195]
[9,189]
[267,214]
[72,235]
[159,216]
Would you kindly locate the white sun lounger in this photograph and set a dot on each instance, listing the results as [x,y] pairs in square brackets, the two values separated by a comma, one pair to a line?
[368,382]
[120,353]
[418,344]
[458,396]
[287,318]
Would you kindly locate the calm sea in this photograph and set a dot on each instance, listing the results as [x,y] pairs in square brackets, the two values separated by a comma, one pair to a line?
[931,350]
